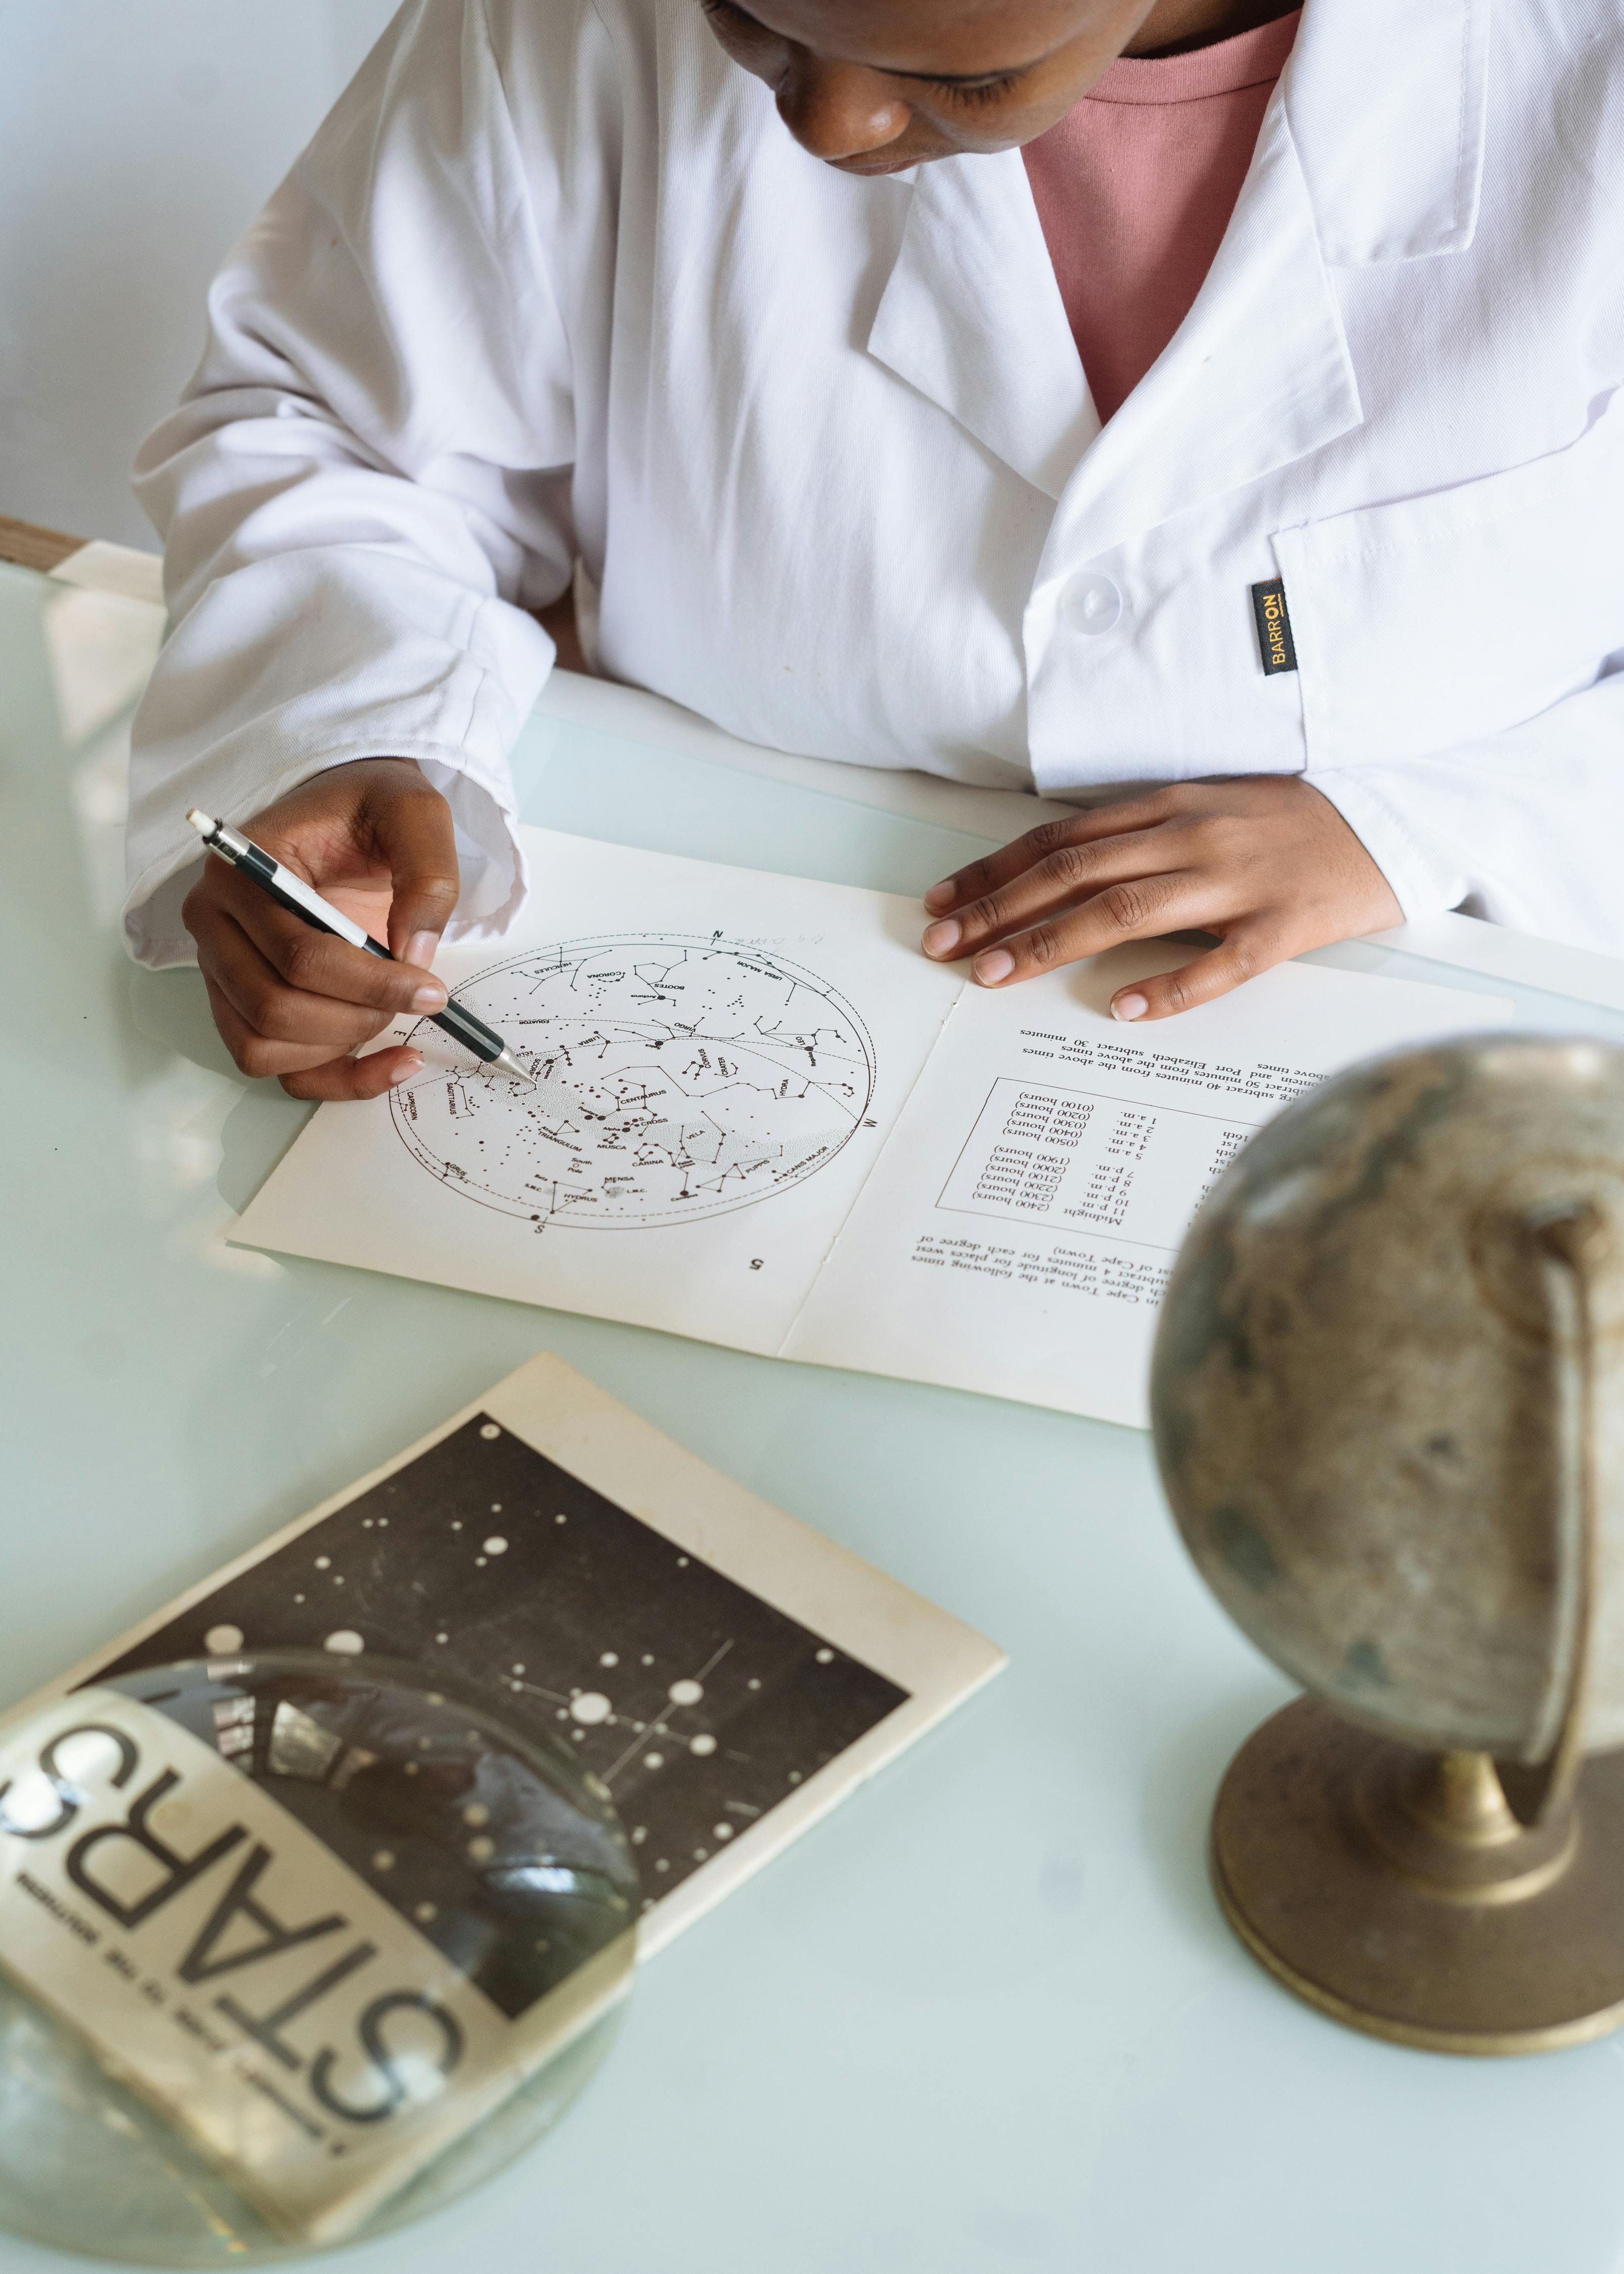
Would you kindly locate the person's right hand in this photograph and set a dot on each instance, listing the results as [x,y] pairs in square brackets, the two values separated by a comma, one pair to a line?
[374,839]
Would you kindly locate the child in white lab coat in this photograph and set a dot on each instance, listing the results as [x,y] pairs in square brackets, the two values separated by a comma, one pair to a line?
[1200,414]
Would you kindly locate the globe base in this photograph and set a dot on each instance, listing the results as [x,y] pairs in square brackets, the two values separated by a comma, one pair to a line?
[1394,1890]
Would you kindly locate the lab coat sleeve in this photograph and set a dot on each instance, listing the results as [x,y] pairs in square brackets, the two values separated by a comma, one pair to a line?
[1523,827]
[367,484]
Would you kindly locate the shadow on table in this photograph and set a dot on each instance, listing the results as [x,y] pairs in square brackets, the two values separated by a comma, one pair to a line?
[171,1008]
[1179,1792]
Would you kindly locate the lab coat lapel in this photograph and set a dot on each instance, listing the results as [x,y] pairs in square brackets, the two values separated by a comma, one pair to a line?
[1257,376]
[972,317]
[1395,175]
[1357,161]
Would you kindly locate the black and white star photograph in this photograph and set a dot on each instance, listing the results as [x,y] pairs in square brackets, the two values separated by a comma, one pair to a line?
[696,1705]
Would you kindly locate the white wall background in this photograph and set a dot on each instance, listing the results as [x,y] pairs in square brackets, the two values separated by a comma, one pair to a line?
[136,138]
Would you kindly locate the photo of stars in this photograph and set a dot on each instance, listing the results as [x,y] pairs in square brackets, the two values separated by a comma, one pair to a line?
[697,1704]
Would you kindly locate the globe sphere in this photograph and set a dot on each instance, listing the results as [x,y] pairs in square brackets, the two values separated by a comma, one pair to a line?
[1365,1403]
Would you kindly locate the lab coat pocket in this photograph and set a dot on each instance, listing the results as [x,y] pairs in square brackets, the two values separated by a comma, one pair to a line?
[1429,623]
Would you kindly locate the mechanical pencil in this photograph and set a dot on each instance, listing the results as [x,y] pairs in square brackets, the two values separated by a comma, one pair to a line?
[305,903]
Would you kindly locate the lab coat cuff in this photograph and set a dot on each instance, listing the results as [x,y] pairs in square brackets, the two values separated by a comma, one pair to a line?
[490,858]
[1424,881]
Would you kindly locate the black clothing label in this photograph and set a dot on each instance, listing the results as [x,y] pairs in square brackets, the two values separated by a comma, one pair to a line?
[1274,642]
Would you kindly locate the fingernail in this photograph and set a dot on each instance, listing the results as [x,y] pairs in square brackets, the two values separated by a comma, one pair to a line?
[405,1071]
[940,939]
[1129,1007]
[941,896]
[429,997]
[420,948]
[989,969]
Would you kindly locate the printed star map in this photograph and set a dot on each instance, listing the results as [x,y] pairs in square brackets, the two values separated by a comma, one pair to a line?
[700,1707]
[674,1078]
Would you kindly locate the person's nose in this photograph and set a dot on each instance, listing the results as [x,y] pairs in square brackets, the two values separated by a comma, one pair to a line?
[838,110]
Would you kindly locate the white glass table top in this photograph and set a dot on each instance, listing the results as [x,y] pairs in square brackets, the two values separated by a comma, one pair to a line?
[984,2019]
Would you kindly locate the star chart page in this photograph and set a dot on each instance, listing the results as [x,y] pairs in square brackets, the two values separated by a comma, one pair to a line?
[720,1056]
[1018,1233]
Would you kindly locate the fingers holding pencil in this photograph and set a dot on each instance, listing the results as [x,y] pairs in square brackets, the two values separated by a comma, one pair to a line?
[296,1003]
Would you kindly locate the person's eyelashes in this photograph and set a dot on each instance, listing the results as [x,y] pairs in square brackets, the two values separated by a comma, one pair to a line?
[980,90]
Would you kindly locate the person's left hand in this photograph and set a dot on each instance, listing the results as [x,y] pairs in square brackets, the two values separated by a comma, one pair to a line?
[1261,860]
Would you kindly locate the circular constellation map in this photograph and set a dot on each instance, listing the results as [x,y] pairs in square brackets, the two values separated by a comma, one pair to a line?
[674,1078]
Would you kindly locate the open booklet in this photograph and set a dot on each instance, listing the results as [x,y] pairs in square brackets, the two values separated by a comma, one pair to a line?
[763,1118]
[226,1943]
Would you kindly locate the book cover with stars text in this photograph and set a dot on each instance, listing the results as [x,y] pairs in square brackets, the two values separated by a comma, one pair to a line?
[721,1673]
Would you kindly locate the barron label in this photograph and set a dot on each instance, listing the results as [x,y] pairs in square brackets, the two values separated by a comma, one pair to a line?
[1275,644]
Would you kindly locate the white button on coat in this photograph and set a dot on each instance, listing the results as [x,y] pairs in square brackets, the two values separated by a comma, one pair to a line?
[1091,604]
[554,282]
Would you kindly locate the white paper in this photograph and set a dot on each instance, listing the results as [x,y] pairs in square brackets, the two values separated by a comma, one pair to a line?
[765,1120]
[1017,1233]
[692,1180]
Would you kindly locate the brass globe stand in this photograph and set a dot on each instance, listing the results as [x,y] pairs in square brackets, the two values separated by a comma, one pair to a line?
[1442,1899]
[1397,1891]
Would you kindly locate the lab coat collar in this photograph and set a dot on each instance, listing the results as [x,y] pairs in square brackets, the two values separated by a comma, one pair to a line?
[1371,150]
[972,316]
[1256,377]
[1367,153]
[1387,101]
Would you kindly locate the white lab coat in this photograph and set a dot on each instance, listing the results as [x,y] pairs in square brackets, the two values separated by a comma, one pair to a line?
[554,282]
